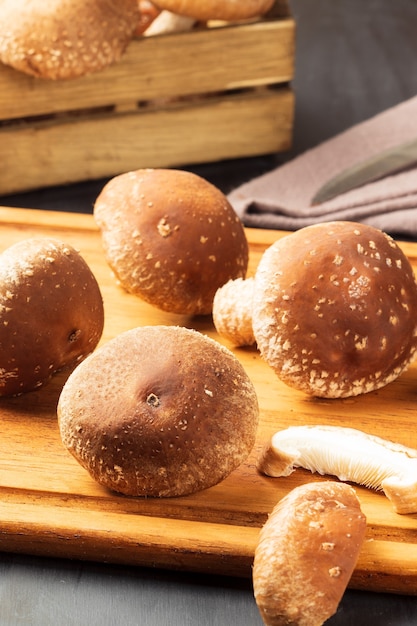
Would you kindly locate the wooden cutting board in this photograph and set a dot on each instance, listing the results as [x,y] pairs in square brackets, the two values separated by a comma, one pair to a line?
[50,506]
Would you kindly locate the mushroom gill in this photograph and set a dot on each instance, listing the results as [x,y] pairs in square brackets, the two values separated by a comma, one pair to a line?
[349,454]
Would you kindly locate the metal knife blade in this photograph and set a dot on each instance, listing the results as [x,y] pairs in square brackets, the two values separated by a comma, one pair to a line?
[388,162]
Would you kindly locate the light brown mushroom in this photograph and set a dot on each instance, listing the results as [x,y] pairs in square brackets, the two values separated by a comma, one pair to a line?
[335,309]
[349,454]
[232,311]
[171,238]
[61,39]
[306,554]
[228,10]
[159,411]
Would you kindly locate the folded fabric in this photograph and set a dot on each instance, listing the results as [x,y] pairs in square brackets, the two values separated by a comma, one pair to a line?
[283,197]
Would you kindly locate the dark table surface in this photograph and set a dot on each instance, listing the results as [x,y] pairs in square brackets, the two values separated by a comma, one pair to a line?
[353,60]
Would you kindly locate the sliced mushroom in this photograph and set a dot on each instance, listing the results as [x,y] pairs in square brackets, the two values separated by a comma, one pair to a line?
[351,455]
[306,553]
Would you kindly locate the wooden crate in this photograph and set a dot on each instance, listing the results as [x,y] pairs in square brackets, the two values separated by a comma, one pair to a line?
[214,93]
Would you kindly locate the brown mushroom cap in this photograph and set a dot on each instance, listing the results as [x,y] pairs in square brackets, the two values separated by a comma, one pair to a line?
[306,554]
[171,238]
[227,10]
[159,411]
[51,312]
[59,39]
[335,309]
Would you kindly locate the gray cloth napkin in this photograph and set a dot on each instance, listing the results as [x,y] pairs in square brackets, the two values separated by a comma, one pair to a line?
[282,198]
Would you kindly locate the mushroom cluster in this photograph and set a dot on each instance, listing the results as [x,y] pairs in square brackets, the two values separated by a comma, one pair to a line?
[334,309]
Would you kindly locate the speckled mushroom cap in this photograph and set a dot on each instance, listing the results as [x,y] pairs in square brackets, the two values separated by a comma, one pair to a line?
[51,312]
[335,309]
[306,554]
[59,39]
[217,9]
[171,238]
[159,411]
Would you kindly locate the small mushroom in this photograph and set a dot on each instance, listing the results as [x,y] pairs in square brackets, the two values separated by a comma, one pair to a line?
[60,39]
[306,554]
[335,309]
[232,311]
[228,10]
[349,454]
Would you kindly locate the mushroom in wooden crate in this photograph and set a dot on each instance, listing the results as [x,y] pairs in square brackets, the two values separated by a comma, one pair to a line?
[61,39]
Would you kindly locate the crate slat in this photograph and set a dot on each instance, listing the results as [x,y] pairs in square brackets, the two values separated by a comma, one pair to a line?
[203,61]
[101,146]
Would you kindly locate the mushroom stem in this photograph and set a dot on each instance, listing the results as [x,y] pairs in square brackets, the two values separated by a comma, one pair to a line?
[349,454]
[232,311]
[169,22]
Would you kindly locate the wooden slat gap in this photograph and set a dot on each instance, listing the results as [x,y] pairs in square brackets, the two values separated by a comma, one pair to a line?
[136,108]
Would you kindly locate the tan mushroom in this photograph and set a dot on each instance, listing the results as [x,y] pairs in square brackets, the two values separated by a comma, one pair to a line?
[60,39]
[335,309]
[171,238]
[349,454]
[228,10]
[232,311]
[306,554]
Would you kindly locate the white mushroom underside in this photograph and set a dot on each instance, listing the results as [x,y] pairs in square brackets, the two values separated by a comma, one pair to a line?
[352,456]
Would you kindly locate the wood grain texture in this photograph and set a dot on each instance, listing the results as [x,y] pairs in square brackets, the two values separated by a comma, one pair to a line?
[50,506]
[97,146]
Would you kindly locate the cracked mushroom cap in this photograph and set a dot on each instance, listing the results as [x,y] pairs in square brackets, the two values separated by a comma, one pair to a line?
[171,238]
[60,39]
[228,10]
[335,309]
[159,411]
